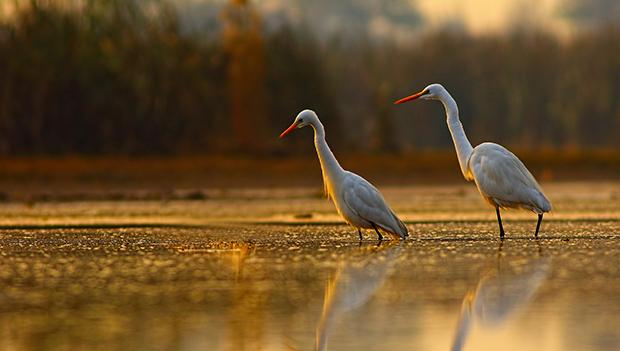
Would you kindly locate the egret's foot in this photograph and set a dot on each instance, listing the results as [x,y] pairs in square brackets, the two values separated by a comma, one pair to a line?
[359,231]
[540,217]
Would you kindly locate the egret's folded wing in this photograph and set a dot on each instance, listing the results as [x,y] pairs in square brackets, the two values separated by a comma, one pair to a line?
[501,175]
[365,200]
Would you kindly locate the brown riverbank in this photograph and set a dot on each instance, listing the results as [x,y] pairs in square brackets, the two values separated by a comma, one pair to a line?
[68,178]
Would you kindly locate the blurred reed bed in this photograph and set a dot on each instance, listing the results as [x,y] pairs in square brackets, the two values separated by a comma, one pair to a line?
[125,78]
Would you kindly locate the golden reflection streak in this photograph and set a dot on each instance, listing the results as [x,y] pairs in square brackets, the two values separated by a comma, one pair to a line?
[498,295]
[246,300]
[353,285]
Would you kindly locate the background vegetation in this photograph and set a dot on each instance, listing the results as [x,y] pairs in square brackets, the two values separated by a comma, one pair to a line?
[125,78]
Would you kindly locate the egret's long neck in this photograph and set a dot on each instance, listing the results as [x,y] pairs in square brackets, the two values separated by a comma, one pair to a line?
[332,171]
[461,143]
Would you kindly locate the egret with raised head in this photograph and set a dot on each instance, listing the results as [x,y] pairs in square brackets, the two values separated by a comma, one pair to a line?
[356,200]
[502,179]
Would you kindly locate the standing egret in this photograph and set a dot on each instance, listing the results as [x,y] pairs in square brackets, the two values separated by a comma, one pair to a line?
[356,200]
[502,179]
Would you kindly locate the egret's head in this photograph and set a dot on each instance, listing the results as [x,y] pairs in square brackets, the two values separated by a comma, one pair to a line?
[431,92]
[304,118]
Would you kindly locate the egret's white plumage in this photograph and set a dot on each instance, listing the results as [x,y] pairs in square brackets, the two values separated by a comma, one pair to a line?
[356,200]
[502,179]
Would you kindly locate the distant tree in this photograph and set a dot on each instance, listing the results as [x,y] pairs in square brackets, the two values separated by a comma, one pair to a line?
[296,80]
[243,45]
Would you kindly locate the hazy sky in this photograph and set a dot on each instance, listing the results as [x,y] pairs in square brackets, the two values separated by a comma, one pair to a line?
[402,17]
[493,15]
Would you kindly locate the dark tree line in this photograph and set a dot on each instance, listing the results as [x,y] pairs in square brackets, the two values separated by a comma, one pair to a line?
[117,77]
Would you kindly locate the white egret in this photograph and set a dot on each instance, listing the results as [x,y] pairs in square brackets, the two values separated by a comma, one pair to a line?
[356,200]
[502,179]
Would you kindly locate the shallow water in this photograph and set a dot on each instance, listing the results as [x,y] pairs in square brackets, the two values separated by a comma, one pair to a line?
[281,287]
[302,283]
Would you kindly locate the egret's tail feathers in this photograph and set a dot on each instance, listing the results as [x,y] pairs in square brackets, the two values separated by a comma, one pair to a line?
[542,203]
[546,206]
[404,232]
[401,229]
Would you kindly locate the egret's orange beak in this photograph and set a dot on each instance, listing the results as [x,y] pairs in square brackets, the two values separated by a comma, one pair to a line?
[289,129]
[410,97]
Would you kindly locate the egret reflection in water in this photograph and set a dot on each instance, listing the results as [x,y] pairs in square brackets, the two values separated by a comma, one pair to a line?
[353,285]
[499,294]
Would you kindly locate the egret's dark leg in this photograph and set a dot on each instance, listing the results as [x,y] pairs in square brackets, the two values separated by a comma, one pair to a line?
[377,230]
[359,231]
[501,227]
[538,225]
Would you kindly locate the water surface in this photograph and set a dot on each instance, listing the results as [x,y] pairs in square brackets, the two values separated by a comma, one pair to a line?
[134,276]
